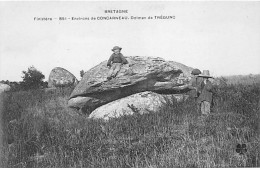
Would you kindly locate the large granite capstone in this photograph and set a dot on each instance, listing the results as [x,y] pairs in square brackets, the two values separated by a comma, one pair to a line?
[139,75]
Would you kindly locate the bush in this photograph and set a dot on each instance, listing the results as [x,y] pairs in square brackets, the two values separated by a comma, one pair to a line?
[32,79]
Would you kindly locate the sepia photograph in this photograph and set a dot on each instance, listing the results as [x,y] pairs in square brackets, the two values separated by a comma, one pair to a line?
[129,84]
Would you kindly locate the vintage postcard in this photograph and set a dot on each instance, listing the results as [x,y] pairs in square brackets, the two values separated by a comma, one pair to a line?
[116,84]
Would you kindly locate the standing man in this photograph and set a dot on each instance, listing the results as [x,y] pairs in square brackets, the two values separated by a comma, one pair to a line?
[195,86]
[205,98]
[117,59]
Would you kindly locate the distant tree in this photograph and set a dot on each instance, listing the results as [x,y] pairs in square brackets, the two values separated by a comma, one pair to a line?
[32,79]
[45,84]
[16,86]
[82,73]
[5,82]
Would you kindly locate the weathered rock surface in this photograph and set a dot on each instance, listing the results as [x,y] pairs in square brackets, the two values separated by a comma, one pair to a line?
[4,88]
[60,77]
[142,103]
[139,75]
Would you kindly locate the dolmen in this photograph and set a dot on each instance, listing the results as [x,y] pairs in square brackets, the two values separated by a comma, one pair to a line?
[142,77]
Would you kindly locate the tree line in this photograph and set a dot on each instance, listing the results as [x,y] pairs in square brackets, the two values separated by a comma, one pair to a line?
[32,78]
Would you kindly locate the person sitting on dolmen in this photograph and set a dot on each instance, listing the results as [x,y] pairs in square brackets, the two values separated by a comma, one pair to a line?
[115,62]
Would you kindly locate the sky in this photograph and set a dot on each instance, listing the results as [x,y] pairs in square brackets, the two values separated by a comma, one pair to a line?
[222,37]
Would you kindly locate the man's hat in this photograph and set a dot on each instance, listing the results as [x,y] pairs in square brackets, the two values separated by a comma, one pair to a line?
[205,74]
[195,72]
[116,47]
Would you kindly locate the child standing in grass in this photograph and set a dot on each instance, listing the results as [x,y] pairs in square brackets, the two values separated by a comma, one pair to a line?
[195,86]
[205,98]
[115,61]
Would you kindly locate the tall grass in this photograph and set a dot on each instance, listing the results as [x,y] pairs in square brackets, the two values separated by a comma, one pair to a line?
[43,132]
[243,79]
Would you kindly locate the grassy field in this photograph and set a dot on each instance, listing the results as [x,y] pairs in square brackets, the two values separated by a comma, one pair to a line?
[43,132]
[243,79]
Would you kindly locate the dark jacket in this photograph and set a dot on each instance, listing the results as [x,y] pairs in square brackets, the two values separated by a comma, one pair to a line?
[116,58]
[195,82]
[206,94]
